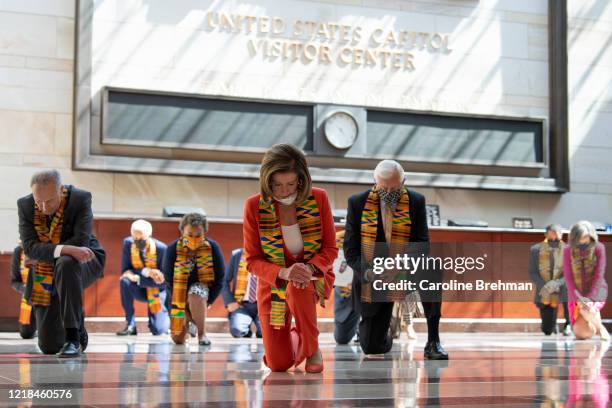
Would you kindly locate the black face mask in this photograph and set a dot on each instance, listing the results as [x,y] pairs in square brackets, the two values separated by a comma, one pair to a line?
[583,246]
[391,197]
[140,243]
[553,243]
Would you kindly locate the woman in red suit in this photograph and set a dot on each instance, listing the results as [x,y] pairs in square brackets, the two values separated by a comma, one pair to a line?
[290,242]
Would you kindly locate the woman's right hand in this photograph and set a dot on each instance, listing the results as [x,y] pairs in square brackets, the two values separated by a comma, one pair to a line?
[298,273]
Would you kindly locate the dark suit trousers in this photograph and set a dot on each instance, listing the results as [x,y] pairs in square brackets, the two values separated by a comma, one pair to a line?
[27,331]
[66,308]
[549,318]
[374,334]
[346,320]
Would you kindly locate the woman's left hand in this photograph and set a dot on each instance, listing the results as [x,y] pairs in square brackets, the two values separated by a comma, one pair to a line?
[300,285]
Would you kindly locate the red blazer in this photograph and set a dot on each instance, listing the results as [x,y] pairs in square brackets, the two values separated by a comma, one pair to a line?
[266,271]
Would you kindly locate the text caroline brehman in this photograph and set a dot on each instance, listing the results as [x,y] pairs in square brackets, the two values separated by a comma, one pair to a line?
[453,285]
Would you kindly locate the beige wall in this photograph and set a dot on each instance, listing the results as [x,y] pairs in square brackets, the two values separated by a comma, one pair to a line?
[36,85]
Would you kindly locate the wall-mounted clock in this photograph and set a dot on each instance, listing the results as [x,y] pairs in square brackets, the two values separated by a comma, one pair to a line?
[341,130]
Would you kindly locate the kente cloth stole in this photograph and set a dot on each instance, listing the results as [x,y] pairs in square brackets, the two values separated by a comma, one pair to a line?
[242,278]
[25,310]
[42,287]
[400,236]
[345,291]
[271,238]
[588,262]
[544,267]
[150,262]
[186,259]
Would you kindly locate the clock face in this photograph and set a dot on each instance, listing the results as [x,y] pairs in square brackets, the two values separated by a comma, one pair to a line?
[341,130]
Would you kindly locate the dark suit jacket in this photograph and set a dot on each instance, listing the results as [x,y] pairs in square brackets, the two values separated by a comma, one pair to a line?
[229,283]
[77,229]
[534,274]
[218,269]
[16,282]
[126,262]
[419,232]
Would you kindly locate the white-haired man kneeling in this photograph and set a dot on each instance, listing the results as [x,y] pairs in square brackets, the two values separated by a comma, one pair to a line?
[383,221]
[142,279]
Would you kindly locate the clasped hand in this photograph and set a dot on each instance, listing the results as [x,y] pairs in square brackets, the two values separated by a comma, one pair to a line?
[549,288]
[299,274]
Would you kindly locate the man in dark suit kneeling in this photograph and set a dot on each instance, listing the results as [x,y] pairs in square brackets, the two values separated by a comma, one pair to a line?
[385,220]
[55,226]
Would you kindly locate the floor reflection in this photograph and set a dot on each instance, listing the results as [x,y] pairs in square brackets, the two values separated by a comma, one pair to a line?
[485,369]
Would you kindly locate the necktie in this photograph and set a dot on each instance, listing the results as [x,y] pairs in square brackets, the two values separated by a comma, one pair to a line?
[252,290]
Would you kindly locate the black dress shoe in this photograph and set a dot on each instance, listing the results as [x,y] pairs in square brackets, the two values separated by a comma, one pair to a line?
[128,331]
[70,349]
[434,351]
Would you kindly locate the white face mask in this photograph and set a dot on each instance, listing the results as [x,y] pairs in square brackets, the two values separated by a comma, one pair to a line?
[287,200]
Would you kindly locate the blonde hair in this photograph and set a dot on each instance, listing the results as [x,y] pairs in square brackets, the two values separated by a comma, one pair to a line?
[283,158]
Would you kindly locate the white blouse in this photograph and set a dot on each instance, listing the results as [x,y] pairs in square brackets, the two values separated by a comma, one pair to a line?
[292,236]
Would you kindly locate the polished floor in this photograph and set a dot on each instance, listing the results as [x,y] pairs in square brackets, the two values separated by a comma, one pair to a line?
[488,369]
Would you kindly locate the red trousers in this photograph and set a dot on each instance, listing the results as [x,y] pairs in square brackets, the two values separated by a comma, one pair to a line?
[287,347]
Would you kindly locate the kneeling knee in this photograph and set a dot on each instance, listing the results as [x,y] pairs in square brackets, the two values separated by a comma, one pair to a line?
[237,333]
[26,336]
[279,366]
[178,339]
[374,349]
[342,340]
[583,334]
[48,349]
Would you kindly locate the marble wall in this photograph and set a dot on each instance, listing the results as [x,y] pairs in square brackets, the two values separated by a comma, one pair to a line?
[498,66]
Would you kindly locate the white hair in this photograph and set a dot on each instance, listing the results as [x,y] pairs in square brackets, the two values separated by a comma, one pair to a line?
[387,168]
[143,226]
[579,229]
[45,177]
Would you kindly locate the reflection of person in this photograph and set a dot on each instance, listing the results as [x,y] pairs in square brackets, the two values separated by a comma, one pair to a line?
[546,271]
[404,367]
[153,368]
[549,372]
[289,238]
[193,269]
[142,279]
[55,226]
[588,380]
[19,276]
[240,296]
[346,320]
[584,265]
[391,215]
